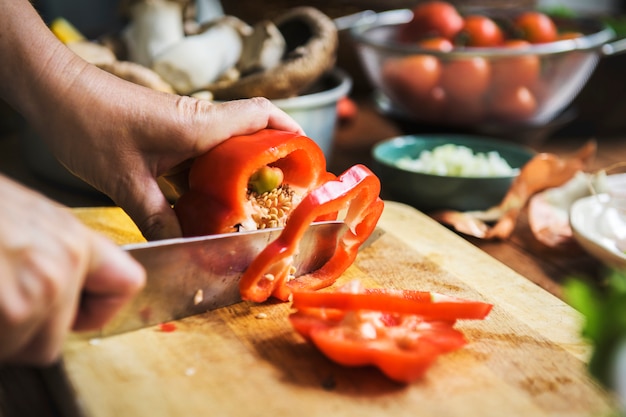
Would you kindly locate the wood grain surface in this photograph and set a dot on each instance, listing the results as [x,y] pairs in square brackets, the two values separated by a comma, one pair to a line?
[526,359]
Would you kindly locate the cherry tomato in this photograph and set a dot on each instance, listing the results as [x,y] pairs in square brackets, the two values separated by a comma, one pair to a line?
[512,104]
[415,75]
[466,77]
[412,80]
[432,19]
[432,108]
[346,109]
[479,31]
[519,70]
[536,27]
[436,44]
[465,82]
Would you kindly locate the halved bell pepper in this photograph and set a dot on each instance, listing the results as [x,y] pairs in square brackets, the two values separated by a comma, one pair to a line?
[356,191]
[221,198]
[401,332]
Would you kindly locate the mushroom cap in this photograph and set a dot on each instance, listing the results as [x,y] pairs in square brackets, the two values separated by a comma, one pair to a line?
[312,42]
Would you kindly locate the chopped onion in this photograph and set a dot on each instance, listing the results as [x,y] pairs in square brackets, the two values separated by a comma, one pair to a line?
[458,161]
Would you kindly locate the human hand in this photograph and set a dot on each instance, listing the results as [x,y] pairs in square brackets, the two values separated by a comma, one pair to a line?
[116,135]
[120,138]
[55,275]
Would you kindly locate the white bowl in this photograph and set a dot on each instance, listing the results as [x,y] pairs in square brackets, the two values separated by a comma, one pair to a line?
[317,112]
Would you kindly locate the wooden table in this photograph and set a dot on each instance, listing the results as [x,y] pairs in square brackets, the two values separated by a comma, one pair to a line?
[354,140]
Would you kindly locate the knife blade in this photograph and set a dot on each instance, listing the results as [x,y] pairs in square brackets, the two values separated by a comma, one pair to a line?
[188,276]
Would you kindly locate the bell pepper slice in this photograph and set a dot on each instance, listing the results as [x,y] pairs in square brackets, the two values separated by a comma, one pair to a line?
[429,305]
[401,332]
[218,196]
[357,191]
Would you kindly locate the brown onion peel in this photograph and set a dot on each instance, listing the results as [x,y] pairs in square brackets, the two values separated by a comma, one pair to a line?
[543,171]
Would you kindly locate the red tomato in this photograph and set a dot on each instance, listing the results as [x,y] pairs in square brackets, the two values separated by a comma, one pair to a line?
[415,74]
[432,108]
[465,82]
[432,19]
[519,70]
[536,27]
[346,109]
[512,104]
[411,80]
[436,44]
[479,31]
[400,332]
[466,78]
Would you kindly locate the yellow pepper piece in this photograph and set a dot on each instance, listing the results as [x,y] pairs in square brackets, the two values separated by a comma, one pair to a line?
[65,31]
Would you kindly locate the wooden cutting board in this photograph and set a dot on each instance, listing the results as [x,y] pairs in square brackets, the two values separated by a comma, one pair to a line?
[526,359]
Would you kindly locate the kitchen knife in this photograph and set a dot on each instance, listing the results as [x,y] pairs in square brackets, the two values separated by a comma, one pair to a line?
[188,276]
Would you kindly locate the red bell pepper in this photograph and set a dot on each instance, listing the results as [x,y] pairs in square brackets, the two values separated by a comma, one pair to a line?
[428,305]
[356,190]
[400,332]
[218,200]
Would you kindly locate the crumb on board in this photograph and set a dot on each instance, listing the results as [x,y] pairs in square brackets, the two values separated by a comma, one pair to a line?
[198,297]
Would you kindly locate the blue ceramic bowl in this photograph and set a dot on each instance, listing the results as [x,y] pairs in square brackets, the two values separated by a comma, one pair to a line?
[429,192]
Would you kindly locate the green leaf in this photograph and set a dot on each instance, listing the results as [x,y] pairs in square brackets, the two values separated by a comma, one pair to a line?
[604,309]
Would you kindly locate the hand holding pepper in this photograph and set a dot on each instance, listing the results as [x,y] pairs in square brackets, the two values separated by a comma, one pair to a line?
[116,135]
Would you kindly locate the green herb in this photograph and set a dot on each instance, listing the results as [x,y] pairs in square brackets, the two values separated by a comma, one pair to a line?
[558,10]
[618,24]
[604,309]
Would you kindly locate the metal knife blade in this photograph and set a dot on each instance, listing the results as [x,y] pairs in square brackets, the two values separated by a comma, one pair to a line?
[189,276]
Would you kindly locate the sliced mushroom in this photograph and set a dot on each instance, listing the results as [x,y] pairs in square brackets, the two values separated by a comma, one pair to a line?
[263,49]
[312,42]
[155,26]
[199,60]
[137,74]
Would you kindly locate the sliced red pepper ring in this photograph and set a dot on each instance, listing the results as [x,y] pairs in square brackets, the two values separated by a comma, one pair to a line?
[428,305]
[379,327]
[356,190]
[218,197]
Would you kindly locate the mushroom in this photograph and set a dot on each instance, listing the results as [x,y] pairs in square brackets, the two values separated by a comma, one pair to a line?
[263,49]
[154,26]
[311,45]
[104,58]
[137,74]
[199,60]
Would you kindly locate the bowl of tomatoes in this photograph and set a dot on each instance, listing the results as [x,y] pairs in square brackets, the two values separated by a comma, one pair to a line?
[440,65]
